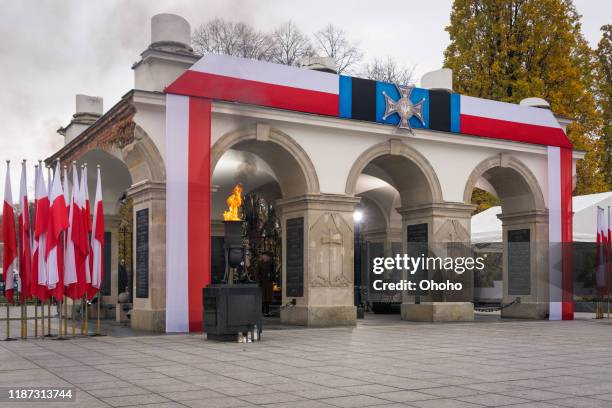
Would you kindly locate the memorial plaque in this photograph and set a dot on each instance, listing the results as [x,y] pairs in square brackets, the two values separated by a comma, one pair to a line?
[417,244]
[519,262]
[105,288]
[295,257]
[142,253]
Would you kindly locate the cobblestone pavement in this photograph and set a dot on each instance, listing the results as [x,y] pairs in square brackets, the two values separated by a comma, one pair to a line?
[382,362]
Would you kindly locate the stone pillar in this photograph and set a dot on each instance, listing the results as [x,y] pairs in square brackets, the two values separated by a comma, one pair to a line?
[528,278]
[448,234]
[322,226]
[111,224]
[149,312]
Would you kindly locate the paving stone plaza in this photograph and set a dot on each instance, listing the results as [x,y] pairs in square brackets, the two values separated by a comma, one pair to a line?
[382,362]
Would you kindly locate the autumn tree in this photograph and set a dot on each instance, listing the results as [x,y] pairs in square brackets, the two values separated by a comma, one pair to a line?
[604,96]
[508,50]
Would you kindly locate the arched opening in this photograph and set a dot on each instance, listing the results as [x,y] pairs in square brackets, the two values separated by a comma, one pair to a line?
[269,167]
[394,182]
[133,181]
[508,229]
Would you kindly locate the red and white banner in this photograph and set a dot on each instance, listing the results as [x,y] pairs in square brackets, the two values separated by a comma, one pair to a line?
[560,234]
[9,238]
[262,83]
[25,237]
[487,118]
[97,241]
[187,210]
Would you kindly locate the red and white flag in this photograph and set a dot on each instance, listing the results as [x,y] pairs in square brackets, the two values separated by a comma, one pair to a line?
[58,222]
[602,238]
[25,237]
[86,213]
[9,238]
[97,241]
[76,247]
[41,224]
[609,248]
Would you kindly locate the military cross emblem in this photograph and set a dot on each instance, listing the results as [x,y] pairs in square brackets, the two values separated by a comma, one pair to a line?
[404,107]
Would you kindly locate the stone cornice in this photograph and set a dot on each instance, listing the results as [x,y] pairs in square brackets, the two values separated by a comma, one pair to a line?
[445,209]
[113,129]
[146,191]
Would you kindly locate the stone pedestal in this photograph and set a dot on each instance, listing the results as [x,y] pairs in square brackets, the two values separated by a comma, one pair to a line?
[448,235]
[530,284]
[438,312]
[149,311]
[325,223]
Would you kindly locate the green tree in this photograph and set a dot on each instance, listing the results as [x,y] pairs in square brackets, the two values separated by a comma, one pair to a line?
[508,50]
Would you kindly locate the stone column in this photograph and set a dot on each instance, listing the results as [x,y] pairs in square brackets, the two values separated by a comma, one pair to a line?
[149,312]
[111,224]
[448,235]
[326,225]
[528,277]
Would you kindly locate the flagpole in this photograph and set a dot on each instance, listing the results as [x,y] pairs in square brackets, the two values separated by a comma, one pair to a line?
[65,316]
[42,318]
[73,318]
[59,321]
[86,318]
[35,318]
[49,318]
[98,315]
[82,318]
[8,323]
[24,333]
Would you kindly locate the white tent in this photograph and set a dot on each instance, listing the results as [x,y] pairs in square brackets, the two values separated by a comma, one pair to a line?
[486,227]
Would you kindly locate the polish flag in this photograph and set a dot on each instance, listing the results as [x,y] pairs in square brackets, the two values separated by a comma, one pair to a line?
[76,247]
[602,238]
[58,222]
[41,224]
[609,248]
[86,213]
[97,241]
[9,238]
[25,237]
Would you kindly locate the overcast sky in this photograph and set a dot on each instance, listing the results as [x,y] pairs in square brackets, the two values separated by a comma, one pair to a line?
[52,49]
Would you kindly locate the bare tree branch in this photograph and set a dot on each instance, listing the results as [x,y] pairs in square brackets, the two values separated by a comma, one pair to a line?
[389,71]
[290,44]
[331,42]
[237,39]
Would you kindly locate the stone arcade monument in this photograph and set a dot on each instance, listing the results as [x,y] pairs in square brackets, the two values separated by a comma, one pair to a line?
[317,145]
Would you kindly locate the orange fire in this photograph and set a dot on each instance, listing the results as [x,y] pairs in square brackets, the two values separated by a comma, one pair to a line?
[234,202]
